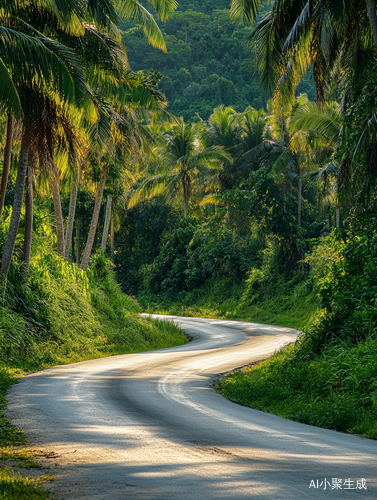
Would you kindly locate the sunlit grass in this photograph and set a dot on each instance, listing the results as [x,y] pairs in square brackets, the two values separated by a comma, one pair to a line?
[335,390]
[13,486]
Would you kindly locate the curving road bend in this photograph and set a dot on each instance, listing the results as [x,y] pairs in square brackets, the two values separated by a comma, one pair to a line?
[148,427]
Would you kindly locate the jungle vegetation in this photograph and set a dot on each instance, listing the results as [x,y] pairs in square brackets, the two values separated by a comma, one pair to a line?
[149,151]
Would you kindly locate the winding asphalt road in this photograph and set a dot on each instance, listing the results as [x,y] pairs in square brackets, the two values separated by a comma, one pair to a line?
[149,427]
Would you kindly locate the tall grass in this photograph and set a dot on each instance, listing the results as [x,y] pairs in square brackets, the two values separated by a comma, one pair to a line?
[335,390]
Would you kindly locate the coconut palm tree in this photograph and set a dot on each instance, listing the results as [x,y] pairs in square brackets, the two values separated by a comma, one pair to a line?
[68,84]
[292,150]
[324,123]
[127,135]
[7,157]
[28,213]
[183,161]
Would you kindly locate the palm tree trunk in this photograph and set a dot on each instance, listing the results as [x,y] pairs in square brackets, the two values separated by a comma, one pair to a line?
[78,249]
[71,216]
[28,215]
[186,188]
[17,206]
[330,219]
[7,158]
[371,5]
[73,248]
[299,199]
[106,225]
[112,242]
[94,222]
[338,217]
[58,210]
[185,205]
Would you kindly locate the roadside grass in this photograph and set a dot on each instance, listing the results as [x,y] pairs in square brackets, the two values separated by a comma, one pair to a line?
[15,487]
[12,484]
[334,390]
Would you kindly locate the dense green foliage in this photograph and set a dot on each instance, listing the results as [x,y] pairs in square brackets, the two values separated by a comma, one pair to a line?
[328,378]
[262,210]
[179,256]
[207,63]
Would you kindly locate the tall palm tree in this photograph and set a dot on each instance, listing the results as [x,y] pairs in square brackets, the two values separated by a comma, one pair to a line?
[224,129]
[33,105]
[28,59]
[183,162]
[141,98]
[242,135]
[28,213]
[291,151]
[324,123]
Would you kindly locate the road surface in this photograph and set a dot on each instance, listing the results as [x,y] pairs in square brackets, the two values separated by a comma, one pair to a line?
[149,427]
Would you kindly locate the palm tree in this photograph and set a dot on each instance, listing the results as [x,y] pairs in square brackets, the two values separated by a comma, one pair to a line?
[7,158]
[325,179]
[34,106]
[224,129]
[291,150]
[324,124]
[71,214]
[28,214]
[371,5]
[140,99]
[183,161]
[296,34]
[34,70]
[106,159]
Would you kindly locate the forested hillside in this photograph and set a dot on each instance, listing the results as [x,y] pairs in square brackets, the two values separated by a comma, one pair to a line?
[208,62]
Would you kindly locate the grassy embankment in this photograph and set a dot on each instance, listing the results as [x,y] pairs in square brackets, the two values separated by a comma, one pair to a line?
[58,315]
[335,389]
[328,378]
[274,302]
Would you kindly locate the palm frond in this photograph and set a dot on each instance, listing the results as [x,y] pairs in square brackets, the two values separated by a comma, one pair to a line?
[133,10]
[324,120]
[246,9]
[8,91]
[164,8]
